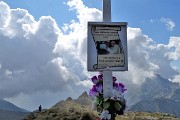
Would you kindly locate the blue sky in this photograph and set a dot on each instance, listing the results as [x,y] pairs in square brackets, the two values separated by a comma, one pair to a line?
[144,14]
[43,46]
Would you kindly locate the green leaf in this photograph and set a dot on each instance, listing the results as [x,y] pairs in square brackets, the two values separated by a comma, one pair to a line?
[106,105]
[117,106]
[106,99]
[100,103]
[97,100]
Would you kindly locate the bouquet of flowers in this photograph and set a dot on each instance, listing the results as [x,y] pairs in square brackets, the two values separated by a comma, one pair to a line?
[111,106]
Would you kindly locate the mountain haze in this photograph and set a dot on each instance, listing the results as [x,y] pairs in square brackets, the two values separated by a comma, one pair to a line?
[5,105]
[158,87]
[9,111]
[12,115]
[161,105]
[158,95]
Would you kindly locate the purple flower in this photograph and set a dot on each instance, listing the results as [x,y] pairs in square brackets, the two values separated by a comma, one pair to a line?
[114,79]
[99,88]
[116,85]
[122,86]
[95,80]
[93,92]
[119,87]
[100,77]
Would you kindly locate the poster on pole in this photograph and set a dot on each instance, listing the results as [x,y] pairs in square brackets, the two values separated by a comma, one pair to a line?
[107,46]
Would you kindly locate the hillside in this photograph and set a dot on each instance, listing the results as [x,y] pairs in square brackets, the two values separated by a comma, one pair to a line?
[64,110]
[80,109]
[158,87]
[158,95]
[9,111]
[12,115]
[161,105]
[5,105]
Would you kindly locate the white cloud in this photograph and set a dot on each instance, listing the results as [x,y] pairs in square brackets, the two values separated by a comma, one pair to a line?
[174,46]
[43,60]
[28,63]
[75,42]
[146,58]
[170,24]
[8,73]
[5,14]
[176,78]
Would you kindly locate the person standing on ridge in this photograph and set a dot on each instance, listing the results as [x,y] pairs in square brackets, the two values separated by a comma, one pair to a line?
[40,108]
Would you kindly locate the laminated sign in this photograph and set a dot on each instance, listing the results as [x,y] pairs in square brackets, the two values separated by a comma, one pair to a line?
[107,46]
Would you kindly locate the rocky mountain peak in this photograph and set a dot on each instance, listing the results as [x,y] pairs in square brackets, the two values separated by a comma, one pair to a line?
[176,95]
[69,99]
[5,105]
[83,95]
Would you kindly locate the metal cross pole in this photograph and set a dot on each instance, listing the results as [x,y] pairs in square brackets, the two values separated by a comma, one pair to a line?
[107,75]
[106,10]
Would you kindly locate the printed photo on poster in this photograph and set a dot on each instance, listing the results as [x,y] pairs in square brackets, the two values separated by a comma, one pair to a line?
[110,52]
[109,49]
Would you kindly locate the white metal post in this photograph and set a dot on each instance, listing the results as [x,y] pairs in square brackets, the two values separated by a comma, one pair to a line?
[106,10]
[107,75]
[107,84]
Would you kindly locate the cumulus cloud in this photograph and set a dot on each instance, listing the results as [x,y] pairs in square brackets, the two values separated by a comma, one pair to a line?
[176,78]
[37,58]
[74,41]
[170,24]
[28,63]
[5,14]
[174,46]
[147,58]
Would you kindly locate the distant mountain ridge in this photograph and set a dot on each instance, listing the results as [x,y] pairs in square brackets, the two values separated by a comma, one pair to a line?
[12,115]
[175,95]
[9,111]
[158,87]
[159,95]
[161,105]
[5,105]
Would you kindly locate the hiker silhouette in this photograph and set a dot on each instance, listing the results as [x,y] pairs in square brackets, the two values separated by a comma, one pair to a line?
[40,108]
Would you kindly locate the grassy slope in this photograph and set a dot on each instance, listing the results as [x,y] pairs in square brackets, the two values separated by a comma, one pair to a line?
[70,110]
